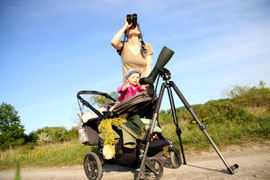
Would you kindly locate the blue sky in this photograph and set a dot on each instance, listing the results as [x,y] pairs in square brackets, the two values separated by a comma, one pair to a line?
[52,49]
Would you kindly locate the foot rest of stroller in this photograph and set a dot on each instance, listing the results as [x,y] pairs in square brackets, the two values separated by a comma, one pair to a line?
[156,144]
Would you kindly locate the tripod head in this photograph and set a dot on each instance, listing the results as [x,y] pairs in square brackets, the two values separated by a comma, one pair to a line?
[165,74]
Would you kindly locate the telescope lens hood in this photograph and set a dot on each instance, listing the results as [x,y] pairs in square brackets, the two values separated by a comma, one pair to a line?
[145,80]
[163,58]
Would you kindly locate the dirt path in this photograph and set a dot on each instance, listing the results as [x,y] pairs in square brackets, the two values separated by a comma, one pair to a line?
[253,159]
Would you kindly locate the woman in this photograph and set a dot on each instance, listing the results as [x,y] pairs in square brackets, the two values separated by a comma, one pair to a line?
[135,54]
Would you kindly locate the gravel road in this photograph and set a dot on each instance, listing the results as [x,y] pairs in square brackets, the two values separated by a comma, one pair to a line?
[253,160]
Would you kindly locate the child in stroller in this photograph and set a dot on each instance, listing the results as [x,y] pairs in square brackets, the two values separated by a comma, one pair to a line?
[129,137]
[131,86]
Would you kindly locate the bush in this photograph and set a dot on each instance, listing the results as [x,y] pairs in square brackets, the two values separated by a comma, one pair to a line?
[100,101]
[51,135]
[223,111]
[246,104]
[73,133]
[250,96]
[11,130]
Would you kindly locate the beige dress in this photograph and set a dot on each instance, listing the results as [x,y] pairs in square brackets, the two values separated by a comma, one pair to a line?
[134,61]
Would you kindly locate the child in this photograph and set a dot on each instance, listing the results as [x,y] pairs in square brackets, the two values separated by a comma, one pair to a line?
[131,86]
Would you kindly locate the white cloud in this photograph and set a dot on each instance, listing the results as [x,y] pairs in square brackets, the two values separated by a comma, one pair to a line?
[227,49]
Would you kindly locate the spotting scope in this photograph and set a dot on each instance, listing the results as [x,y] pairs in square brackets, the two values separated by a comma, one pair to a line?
[164,56]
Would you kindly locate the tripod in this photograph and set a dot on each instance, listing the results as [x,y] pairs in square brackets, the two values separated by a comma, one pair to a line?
[166,75]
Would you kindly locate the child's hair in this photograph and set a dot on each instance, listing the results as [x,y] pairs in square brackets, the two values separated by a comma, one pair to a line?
[131,71]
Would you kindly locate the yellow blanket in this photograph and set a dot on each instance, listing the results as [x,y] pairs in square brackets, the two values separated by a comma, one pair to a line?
[109,144]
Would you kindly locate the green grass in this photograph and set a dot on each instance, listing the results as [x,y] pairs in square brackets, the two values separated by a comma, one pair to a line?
[223,134]
[72,152]
[17,173]
[52,155]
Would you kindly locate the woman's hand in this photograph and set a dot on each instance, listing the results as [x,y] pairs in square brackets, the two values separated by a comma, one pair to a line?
[116,40]
[127,26]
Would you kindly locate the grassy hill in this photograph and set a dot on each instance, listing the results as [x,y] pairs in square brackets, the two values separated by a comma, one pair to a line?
[242,118]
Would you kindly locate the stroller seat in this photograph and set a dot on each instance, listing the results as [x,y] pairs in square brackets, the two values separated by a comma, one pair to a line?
[130,136]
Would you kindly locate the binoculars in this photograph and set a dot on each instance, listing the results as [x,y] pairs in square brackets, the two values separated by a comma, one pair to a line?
[132,18]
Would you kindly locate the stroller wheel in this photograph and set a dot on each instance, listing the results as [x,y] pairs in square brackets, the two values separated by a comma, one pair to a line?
[152,169]
[92,166]
[175,157]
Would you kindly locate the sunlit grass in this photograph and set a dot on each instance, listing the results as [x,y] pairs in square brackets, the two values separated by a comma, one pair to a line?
[61,154]
[72,152]
[222,133]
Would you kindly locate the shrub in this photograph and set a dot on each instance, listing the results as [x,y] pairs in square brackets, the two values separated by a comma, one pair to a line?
[11,129]
[51,134]
[250,96]
[73,133]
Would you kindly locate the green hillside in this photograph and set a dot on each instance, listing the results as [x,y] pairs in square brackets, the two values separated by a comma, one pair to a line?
[243,117]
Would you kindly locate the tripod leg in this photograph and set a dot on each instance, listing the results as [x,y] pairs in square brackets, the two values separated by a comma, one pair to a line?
[178,130]
[202,127]
[149,135]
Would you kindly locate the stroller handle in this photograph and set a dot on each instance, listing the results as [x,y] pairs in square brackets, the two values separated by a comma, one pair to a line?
[95,93]
[83,101]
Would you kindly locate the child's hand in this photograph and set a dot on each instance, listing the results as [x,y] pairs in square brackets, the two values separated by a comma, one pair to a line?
[144,87]
[127,85]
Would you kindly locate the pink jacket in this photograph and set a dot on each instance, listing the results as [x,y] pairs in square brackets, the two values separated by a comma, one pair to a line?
[128,92]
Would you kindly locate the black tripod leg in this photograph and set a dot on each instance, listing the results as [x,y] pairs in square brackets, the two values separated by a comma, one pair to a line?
[202,127]
[178,130]
[149,135]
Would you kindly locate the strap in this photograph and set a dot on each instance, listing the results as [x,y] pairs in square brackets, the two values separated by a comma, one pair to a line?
[143,49]
[120,50]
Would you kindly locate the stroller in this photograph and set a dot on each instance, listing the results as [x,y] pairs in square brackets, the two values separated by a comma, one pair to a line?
[146,149]
[133,144]
[132,109]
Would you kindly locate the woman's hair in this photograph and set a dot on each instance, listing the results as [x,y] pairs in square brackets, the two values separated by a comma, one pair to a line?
[127,31]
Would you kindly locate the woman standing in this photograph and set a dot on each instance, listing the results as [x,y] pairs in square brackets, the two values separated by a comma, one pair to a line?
[135,54]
